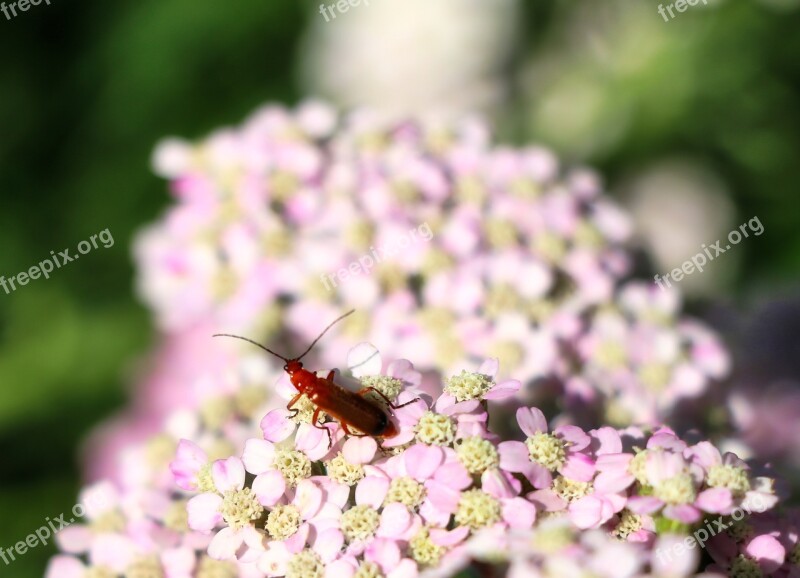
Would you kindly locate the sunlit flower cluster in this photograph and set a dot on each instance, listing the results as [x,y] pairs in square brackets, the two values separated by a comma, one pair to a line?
[139,524]
[762,545]
[306,499]
[449,247]
[642,361]
[505,279]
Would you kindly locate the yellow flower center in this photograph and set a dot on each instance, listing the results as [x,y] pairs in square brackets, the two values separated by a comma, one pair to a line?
[177,518]
[368,570]
[293,464]
[477,509]
[210,568]
[240,508]
[477,454]
[359,523]
[677,490]
[731,477]
[627,525]
[570,490]
[146,567]
[217,411]
[305,564]
[388,386]
[342,471]
[743,567]
[435,429]
[283,521]
[205,481]
[423,551]
[406,491]
[467,385]
[547,450]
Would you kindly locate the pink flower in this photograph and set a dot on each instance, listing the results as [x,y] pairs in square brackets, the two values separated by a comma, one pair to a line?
[238,507]
[480,385]
[729,482]
[438,470]
[189,461]
[544,453]
[99,501]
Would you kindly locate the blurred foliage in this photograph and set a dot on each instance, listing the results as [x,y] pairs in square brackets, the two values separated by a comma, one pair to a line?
[88,88]
[612,84]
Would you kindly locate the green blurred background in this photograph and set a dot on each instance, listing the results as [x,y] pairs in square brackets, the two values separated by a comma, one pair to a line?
[89,87]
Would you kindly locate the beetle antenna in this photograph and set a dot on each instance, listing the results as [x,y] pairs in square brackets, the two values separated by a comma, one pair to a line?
[334,322]
[253,342]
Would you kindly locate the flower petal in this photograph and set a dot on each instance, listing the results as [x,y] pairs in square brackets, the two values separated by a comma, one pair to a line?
[454,475]
[767,551]
[531,420]
[644,504]
[226,544]
[448,538]
[75,539]
[364,359]
[385,553]
[189,459]
[442,497]
[258,456]
[308,498]
[577,438]
[683,513]
[395,521]
[328,544]
[578,467]
[371,491]
[607,441]
[269,487]
[503,390]
[498,484]
[204,512]
[277,426]
[65,567]
[228,474]
[519,513]
[422,461]
[590,512]
[715,500]
[360,450]
[489,367]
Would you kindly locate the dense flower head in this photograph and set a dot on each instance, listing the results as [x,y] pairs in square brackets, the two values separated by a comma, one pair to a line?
[450,248]
[478,262]
[458,247]
[309,499]
[644,359]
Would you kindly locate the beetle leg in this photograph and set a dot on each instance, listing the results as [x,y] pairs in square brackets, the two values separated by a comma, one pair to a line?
[314,422]
[366,390]
[331,373]
[293,411]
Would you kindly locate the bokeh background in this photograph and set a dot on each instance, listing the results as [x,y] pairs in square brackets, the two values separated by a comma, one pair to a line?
[695,123]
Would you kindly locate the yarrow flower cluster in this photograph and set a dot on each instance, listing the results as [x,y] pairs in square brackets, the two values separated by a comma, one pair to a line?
[291,504]
[519,270]
[295,216]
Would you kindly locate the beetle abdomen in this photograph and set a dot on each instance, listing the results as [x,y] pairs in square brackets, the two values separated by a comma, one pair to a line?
[353,410]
